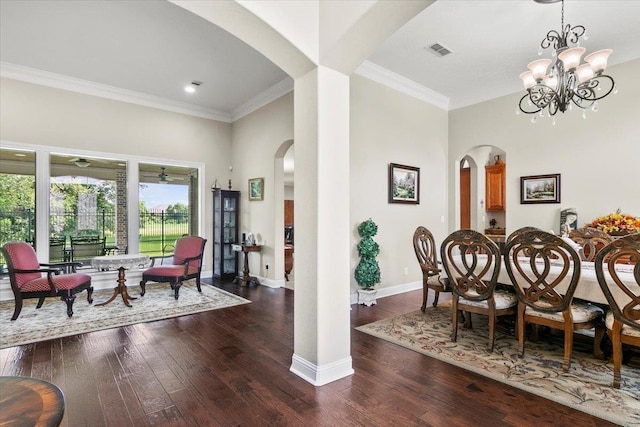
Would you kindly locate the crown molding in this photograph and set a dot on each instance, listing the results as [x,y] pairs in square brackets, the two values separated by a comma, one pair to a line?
[274,92]
[58,81]
[402,84]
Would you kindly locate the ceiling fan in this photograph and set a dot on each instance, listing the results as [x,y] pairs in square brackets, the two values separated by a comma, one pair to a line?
[82,162]
[163,177]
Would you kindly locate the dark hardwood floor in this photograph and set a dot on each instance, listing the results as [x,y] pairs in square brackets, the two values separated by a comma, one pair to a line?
[230,367]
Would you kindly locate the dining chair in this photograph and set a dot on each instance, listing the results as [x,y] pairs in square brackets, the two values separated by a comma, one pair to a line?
[538,263]
[186,264]
[591,240]
[472,262]
[427,254]
[623,318]
[520,230]
[27,280]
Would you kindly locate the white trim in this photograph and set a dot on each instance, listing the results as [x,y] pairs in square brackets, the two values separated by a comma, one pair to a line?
[402,84]
[321,375]
[274,92]
[58,81]
[272,283]
[392,290]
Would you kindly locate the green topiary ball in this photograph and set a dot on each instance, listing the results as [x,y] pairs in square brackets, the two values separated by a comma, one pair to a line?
[367,228]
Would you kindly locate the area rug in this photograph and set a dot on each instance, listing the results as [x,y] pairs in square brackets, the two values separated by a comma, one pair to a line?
[51,320]
[586,387]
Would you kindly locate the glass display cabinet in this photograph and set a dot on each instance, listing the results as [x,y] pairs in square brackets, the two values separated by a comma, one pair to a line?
[226,211]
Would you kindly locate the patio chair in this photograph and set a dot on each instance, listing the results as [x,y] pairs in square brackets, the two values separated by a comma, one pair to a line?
[27,280]
[186,264]
[83,248]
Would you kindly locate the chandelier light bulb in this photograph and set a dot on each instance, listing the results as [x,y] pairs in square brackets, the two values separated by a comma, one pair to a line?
[584,73]
[539,67]
[571,57]
[527,79]
[598,60]
[615,90]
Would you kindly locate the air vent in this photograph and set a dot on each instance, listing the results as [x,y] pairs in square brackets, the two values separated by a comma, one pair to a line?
[196,83]
[438,50]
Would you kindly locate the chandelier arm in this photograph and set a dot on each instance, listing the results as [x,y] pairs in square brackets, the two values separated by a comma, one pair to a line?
[587,90]
[522,102]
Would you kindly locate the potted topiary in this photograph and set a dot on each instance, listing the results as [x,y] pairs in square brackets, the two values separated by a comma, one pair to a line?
[367,272]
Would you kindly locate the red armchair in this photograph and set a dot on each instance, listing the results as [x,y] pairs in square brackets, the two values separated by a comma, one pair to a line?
[187,264]
[27,280]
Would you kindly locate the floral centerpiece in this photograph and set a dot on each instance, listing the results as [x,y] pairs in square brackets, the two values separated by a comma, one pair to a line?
[617,223]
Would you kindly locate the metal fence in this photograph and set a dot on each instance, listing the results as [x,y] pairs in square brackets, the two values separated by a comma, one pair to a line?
[158,229]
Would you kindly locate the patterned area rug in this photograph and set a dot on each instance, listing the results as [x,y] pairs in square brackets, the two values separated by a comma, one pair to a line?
[586,387]
[51,321]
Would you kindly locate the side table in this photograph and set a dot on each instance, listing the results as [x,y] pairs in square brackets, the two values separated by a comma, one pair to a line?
[121,262]
[246,278]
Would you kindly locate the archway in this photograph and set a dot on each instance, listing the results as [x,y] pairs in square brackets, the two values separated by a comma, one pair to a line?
[280,181]
[481,217]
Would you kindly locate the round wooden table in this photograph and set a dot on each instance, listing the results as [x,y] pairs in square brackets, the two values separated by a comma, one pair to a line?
[30,402]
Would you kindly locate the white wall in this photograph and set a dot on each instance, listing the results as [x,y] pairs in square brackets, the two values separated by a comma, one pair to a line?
[256,139]
[598,158]
[390,127]
[39,115]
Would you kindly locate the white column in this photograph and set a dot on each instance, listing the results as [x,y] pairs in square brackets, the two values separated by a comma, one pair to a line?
[322,326]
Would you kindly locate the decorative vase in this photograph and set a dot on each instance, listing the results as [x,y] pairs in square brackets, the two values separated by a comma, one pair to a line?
[367,296]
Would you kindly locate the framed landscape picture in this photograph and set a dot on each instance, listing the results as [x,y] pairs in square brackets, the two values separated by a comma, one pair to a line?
[404,184]
[540,189]
[256,189]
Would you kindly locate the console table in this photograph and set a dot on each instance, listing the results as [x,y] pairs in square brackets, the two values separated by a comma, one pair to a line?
[121,263]
[246,277]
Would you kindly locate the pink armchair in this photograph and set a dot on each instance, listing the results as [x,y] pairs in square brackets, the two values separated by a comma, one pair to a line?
[27,280]
[187,264]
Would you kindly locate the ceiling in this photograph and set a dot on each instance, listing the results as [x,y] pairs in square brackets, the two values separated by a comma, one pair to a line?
[156,48]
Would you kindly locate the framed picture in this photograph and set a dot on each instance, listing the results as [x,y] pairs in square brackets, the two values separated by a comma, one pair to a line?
[404,184]
[540,189]
[256,189]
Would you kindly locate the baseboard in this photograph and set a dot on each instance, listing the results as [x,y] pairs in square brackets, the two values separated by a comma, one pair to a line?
[272,283]
[391,290]
[321,375]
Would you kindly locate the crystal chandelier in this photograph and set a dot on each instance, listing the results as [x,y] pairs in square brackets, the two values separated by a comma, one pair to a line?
[557,85]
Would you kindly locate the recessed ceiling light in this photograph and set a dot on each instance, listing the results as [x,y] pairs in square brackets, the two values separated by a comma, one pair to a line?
[191,88]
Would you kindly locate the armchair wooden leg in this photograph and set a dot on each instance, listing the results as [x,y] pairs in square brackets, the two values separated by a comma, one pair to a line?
[69,299]
[435,298]
[90,295]
[17,309]
[142,287]
[40,302]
